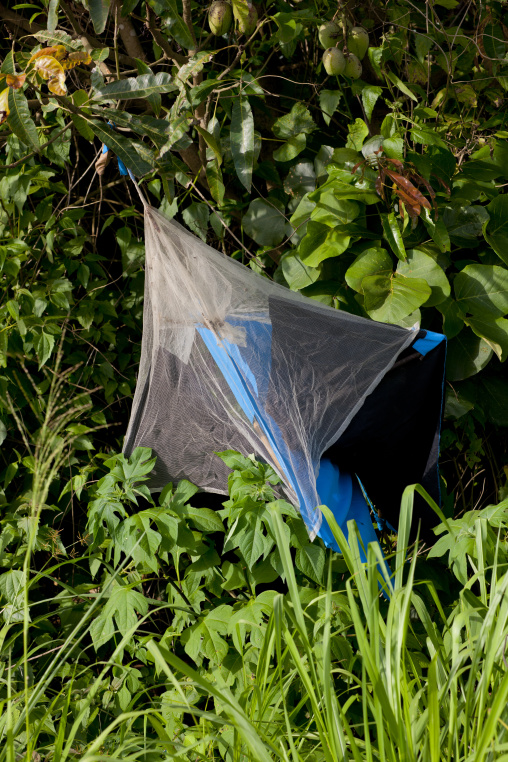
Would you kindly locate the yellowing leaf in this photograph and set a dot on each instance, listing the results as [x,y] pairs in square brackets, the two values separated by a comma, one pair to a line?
[51,69]
[48,67]
[71,58]
[44,52]
[15,80]
[4,105]
[57,84]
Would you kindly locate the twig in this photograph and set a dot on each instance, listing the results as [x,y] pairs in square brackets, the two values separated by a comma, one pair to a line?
[162,41]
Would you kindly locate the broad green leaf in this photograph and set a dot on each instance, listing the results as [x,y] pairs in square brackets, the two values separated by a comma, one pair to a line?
[43,344]
[357,192]
[420,265]
[122,607]
[137,87]
[205,638]
[296,122]
[493,41]
[264,221]
[437,230]
[357,132]
[426,137]
[495,229]
[453,318]
[465,223]
[393,147]
[122,147]
[322,242]
[291,148]
[393,235]
[374,261]
[493,397]
[99,11]
[57,38]
[328,102]
[482,290]
[332,211]
[175,25]
[20,120]
[311,561]
[252,543]
[370,94]
[242,140]
[494,331]
[3,432]
[300,179]
[467,354]
[197,217]
[297,274]
[8,64]
[391,299]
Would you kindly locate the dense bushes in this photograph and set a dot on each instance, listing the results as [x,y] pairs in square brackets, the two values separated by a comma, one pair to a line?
[382,196]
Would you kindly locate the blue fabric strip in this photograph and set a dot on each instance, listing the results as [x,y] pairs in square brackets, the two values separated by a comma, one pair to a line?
[428,342]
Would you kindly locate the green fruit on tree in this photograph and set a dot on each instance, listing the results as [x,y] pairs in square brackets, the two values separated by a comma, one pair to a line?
[334,61]
[220,17]
[329,33]
[353,66]
[248,22]
[358,41]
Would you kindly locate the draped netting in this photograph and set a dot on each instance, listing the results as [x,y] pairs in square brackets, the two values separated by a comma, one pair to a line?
[233,361]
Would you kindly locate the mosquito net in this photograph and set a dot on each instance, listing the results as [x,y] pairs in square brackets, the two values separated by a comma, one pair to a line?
[231,360]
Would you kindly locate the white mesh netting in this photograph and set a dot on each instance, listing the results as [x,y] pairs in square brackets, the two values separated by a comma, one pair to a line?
[231,360]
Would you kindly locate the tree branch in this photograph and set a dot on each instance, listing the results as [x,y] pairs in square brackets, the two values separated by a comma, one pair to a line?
[162,41]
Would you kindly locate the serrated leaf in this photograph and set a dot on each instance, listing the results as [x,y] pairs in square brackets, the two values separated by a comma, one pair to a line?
[252,543]
[328,102]
[122,606]
[20,120]
[99,11]
[121,147]
[311,561]
[137,87]
[43,344]
[242,140]
[370,94]
[299,120]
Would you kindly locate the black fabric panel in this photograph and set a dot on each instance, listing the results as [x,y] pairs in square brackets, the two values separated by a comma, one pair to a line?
[393,441]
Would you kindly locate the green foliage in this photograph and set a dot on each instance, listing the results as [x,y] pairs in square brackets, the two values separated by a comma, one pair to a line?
[185,632]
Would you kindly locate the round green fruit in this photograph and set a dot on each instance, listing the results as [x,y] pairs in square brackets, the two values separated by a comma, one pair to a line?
[358,41]
[334,61]
[353,66]
[220,17]
[247,23]
[329,33]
